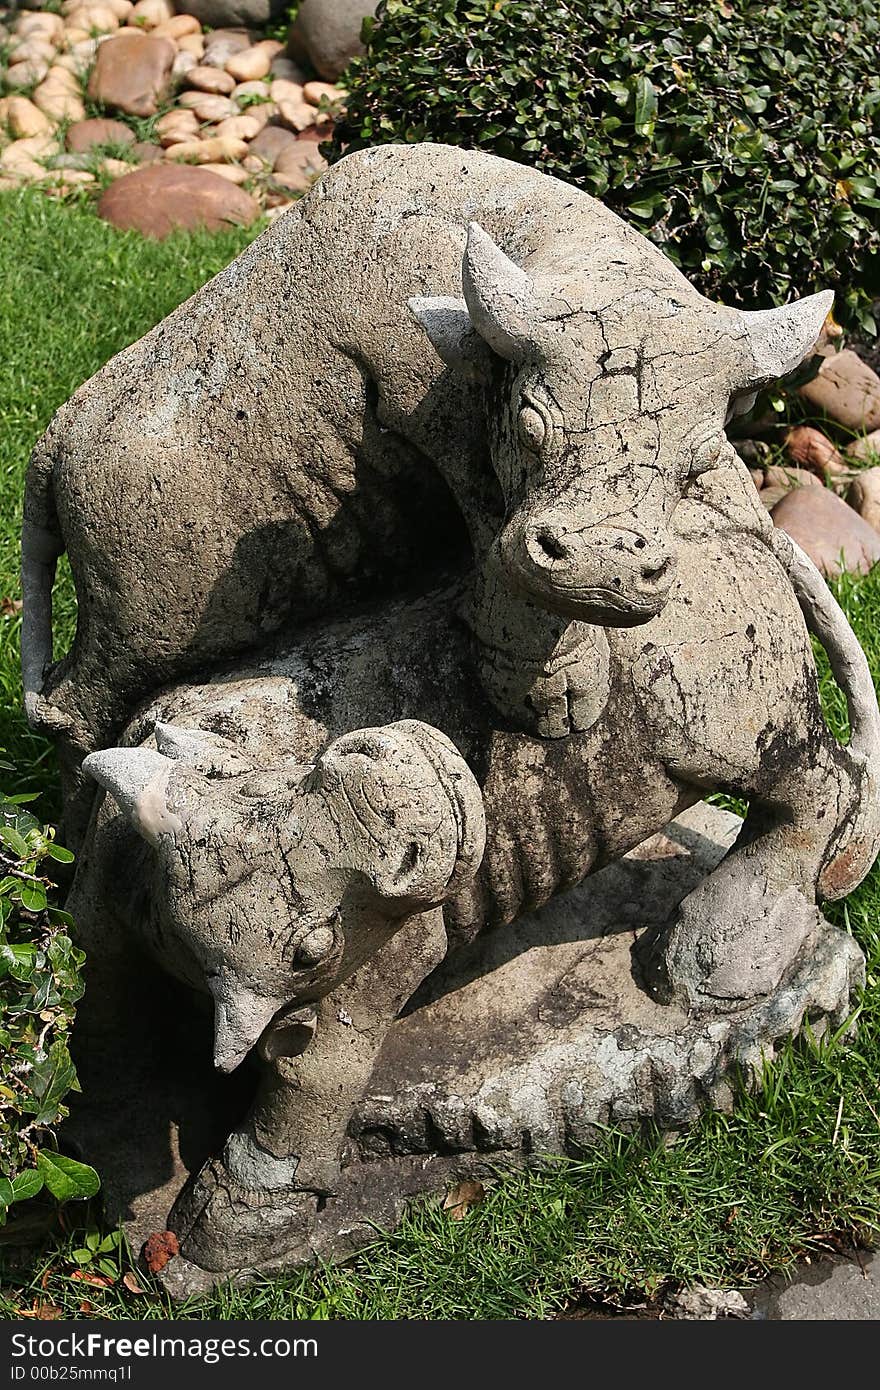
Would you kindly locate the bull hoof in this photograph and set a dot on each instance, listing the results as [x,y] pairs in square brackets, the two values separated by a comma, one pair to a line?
[224,1227]
[713,959]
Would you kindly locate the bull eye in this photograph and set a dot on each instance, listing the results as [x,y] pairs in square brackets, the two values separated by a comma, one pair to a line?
[533,428]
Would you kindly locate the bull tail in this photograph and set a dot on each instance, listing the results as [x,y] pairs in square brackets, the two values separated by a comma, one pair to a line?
[41,545]
[855,852]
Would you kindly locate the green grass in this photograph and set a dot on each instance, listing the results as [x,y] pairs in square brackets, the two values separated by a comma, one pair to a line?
[794,1170]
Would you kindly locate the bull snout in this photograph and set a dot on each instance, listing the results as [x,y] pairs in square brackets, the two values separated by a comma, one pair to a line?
[600,572]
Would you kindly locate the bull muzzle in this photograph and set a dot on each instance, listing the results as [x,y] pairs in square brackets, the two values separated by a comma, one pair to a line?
[604,573]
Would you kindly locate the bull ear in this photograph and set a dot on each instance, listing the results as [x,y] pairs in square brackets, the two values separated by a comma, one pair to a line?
[501,298]
[448,326]
[778,340]
[408,808]
[137,779]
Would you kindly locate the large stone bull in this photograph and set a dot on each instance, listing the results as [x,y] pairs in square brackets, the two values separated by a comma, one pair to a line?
[372,393]
[297,885]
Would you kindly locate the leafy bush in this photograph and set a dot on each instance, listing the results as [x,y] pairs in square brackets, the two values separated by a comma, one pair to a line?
[744,138]
[39,986]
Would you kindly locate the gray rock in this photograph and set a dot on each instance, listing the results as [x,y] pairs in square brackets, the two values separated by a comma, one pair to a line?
[327,33]
[218,14]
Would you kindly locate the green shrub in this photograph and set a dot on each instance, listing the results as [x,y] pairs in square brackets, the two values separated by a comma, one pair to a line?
[744,138]
[39,986]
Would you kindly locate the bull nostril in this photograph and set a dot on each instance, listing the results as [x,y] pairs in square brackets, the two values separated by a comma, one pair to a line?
[653,574]
[640,543]
[549,544]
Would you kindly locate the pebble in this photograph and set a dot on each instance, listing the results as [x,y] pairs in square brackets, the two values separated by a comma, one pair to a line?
[28,74]
[178,27]
[864,496]
[251,89]
[209,108]
[25,119]
[314,92]
[298,166]
[212,80]
[812,449]
[234,172]
[240,127]
[193,44]
[94,18]
[43,25]
[296,115]
[32,51]
[58,99]
[215,150]
[222,44]
[866,448]
[847,390]
[151,13]
[253,62]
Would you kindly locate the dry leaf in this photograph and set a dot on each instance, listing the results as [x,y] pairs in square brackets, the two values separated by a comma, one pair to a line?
[99,1281]
[459,1200]
[9,607]
[161,1247]
[131,1282]
[46,1312]
[86,1306]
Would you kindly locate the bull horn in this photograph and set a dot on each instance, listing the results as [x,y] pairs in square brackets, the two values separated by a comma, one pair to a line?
[207,752]
[780,339]
[137,779]
[500,297]
[240,1019]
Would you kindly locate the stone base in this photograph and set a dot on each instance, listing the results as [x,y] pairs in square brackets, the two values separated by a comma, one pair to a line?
[519,1048]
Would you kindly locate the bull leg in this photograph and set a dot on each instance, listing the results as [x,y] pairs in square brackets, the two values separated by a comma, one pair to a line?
[259,1201]
[752,923]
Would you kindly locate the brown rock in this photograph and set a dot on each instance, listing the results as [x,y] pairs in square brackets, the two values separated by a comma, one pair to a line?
[812,449]
[865,449]
[826,528]
[213,80]
[864,496]
[271,142]
[85,135]
[847,390]
[132,73]
[162,197]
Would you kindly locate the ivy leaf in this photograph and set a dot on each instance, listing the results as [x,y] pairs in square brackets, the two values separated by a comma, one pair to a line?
[26,1185]
[66,1178]
[646,107]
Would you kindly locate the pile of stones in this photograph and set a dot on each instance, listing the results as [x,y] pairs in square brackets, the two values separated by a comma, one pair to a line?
[822,485]
[169,123]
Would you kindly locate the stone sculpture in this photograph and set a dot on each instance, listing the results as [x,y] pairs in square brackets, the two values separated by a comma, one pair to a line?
[325,438]
[511,410]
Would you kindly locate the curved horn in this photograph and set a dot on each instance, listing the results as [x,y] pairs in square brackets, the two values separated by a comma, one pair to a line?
[137,779]
[779,339]
[500,297]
